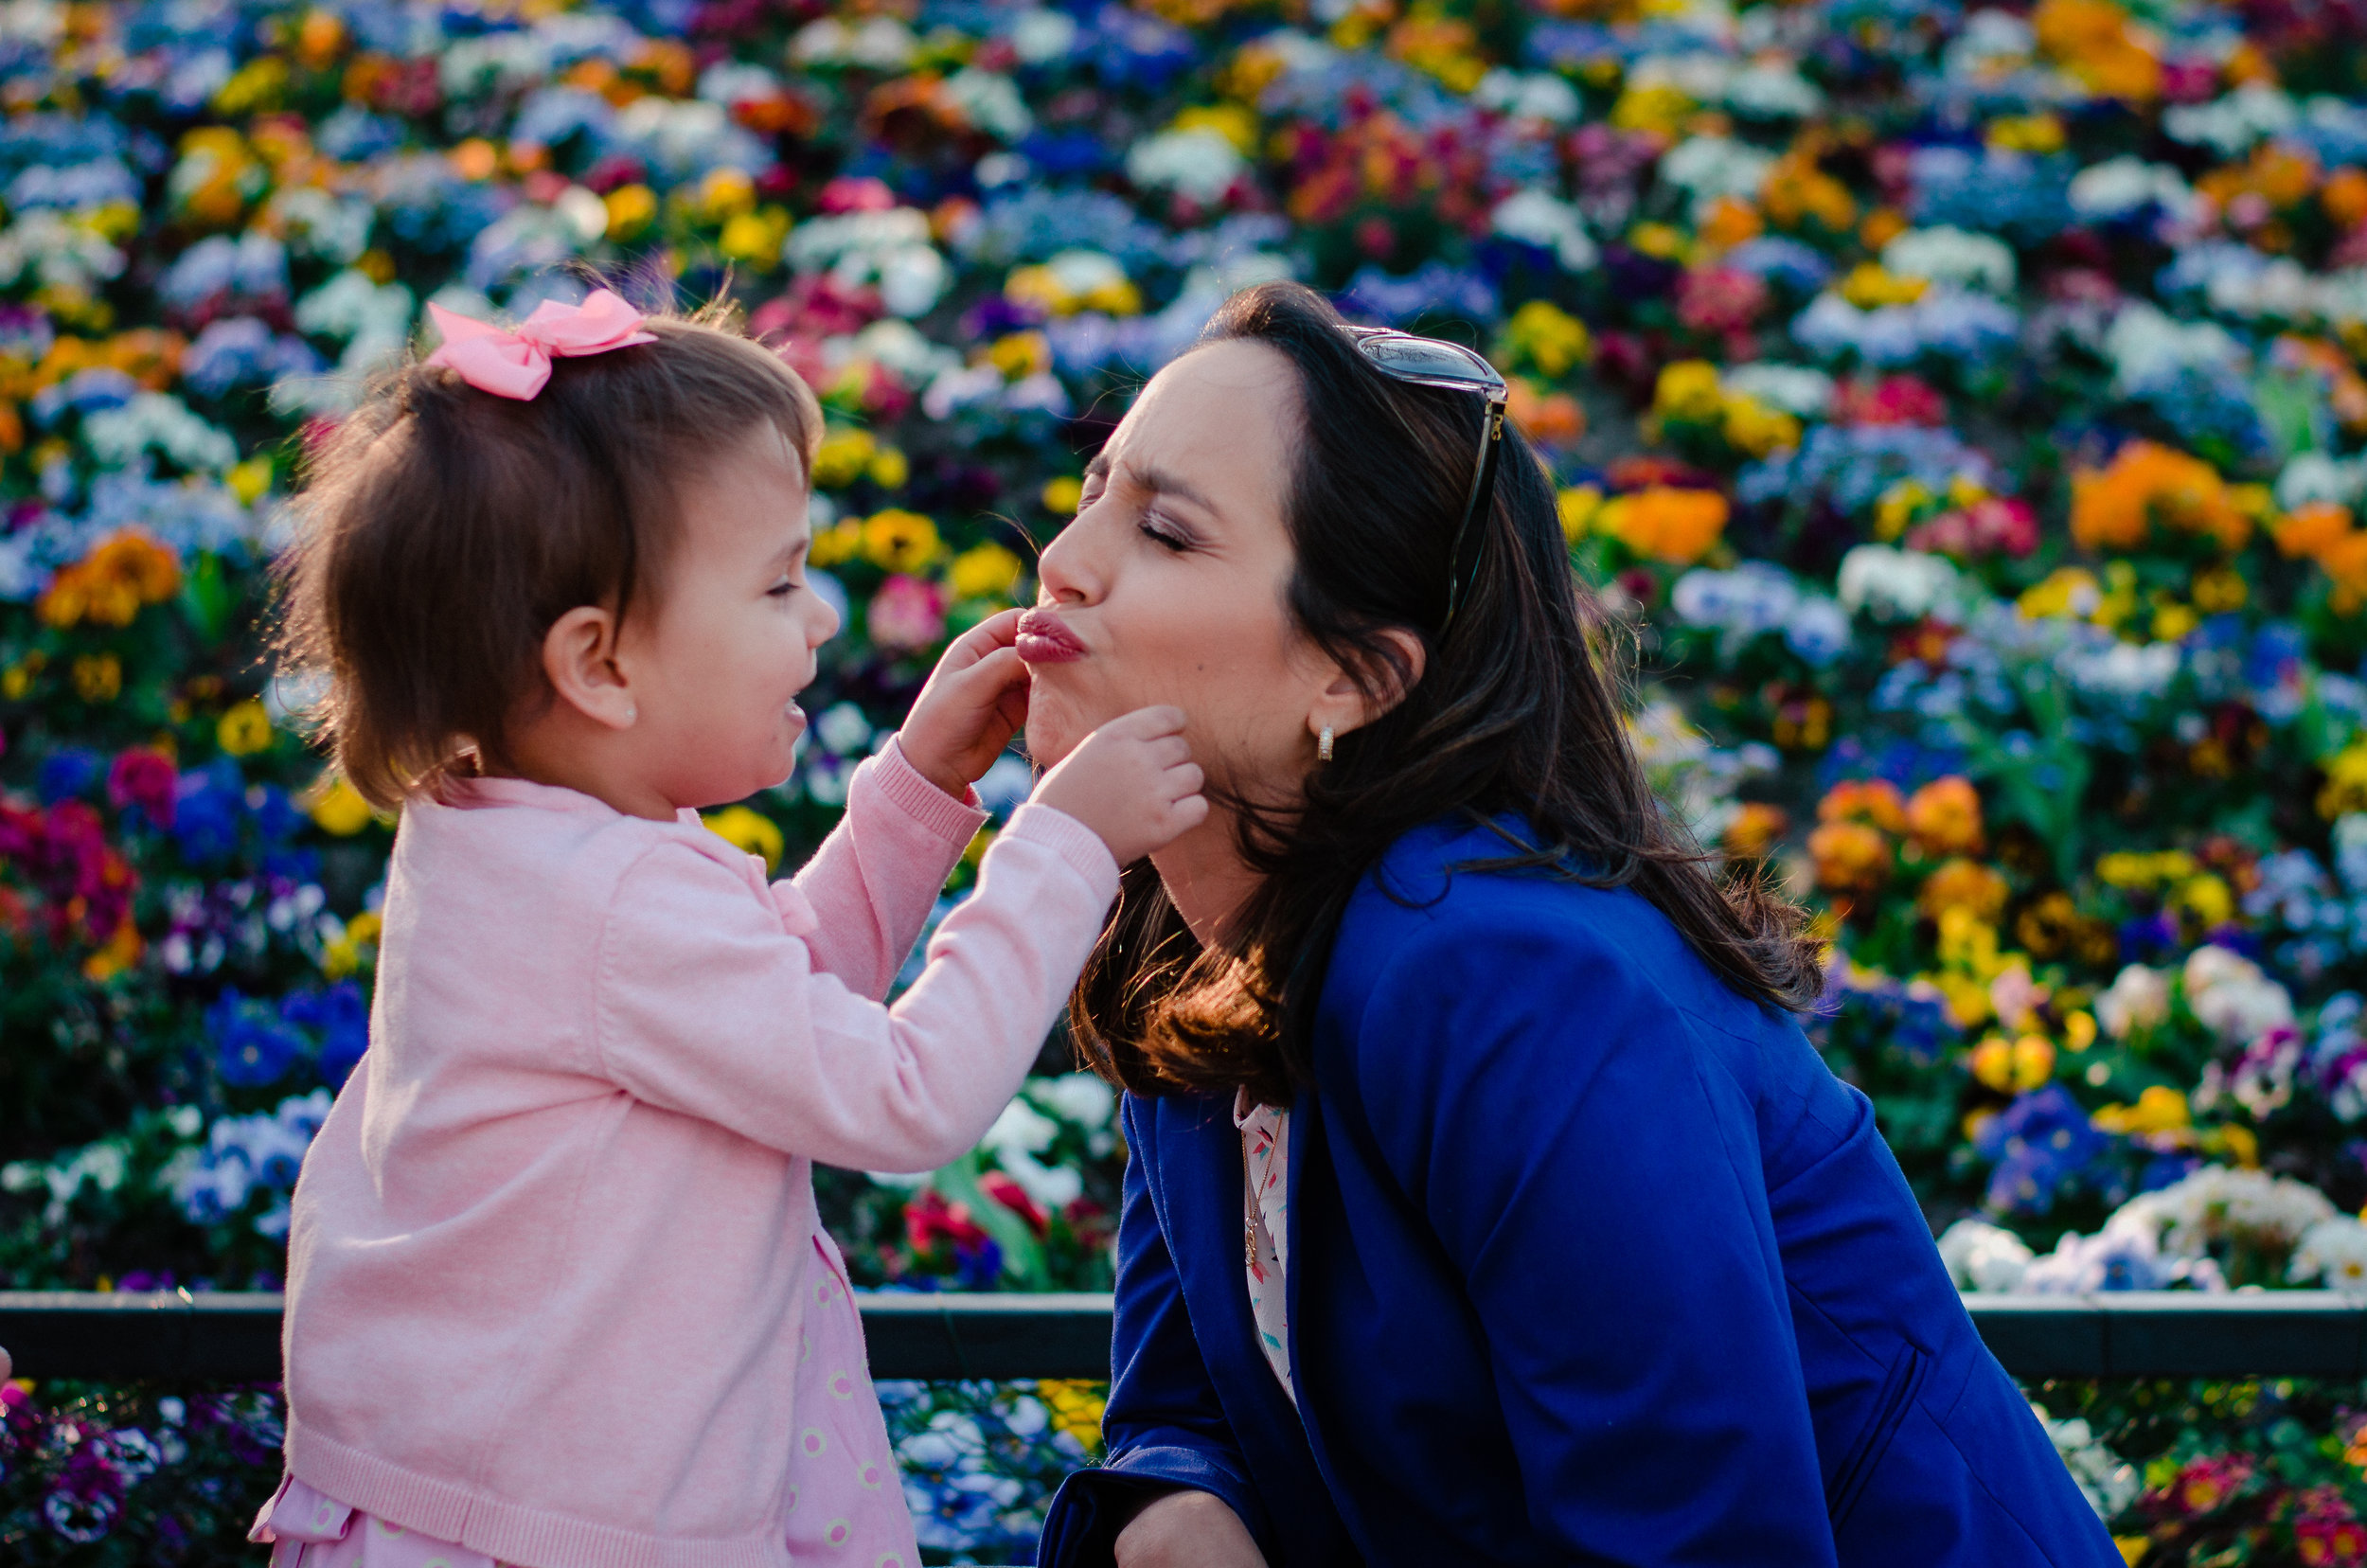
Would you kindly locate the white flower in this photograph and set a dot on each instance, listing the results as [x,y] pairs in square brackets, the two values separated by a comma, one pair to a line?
[882,44]
[1755,596]
[1041,34]
[891,248]
[159,422]
[1893,585]
[2122,672]
[1018,1135]
[2230,994]
[1948,255]
[334,228]
[2317,476]
[1773,90]
[1711,166]
[1982,1256]
[2120,185]
[1794,388]
[1535,218]
[58,252]
[2109,1482]
[2139,998]
[2247,1208]
[991,103]
[2231,124]
[2334,1250]
[2148,347]
[1200,163]
[1536,96]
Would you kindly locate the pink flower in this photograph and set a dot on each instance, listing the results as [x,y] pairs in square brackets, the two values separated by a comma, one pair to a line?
[906,614]
[145,778]
[1721,299]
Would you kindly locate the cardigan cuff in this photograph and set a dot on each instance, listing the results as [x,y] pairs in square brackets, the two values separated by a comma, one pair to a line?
[909,789]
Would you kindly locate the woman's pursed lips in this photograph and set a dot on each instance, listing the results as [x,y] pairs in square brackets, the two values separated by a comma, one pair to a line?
[1045,639]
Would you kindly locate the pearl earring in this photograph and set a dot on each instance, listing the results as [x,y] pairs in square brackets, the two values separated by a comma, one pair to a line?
[1322,745]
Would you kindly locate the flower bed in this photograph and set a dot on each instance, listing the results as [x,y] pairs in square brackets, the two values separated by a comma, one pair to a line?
[1964,407]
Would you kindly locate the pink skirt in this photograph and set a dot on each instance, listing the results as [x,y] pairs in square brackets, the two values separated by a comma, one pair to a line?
[845,1500]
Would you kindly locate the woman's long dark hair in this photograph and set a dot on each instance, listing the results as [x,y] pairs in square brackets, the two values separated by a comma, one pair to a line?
[1513,712]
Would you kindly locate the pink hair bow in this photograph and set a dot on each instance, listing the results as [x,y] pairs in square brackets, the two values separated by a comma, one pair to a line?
[518,365]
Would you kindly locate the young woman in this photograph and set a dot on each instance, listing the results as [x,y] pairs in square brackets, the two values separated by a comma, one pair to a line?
[1486,1203]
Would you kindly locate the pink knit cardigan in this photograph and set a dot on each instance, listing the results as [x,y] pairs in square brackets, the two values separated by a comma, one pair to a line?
[552,1249]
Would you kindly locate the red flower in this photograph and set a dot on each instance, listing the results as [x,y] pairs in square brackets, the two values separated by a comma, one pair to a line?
[144,778]
[1004,1190]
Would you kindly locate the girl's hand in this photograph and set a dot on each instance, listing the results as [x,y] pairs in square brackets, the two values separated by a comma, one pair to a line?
[975,701]
[1187,1529]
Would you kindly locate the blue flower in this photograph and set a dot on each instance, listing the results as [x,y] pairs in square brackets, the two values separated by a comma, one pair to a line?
[68,771]
[206,821]
[339,1017]
[2040,1143]
[252,1045]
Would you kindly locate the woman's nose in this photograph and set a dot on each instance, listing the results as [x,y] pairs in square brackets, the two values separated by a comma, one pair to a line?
[1066,569]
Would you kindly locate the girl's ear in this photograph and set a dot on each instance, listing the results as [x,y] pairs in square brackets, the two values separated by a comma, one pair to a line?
[579,660]
[1344,704]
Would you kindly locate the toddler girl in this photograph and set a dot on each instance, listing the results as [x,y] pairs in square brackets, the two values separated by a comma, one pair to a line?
[557,1294]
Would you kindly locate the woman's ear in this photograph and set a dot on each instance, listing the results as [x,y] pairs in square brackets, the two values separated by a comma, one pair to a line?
[1344,704]
[579,660]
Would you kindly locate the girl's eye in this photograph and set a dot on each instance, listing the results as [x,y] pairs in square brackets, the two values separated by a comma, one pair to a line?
[1165,533]
[782,589]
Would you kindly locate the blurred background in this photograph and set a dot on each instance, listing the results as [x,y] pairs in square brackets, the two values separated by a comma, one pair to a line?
[1963,405]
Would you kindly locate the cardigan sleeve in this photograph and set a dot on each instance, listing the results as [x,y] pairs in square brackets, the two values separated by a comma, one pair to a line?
[1164,1426]
[876,877]
[705,1005]
[1592,1173]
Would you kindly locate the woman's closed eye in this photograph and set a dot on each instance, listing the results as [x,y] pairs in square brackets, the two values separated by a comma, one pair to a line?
[1164,532]
[782,589]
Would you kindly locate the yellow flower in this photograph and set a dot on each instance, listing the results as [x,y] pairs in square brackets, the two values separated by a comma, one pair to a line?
[2160,1109]
[98,678]
[1665,242]
[749,831]
[245,729]
[2346,789]
[1687,391]
[249,480]
[2026,133]
[1657,108]
[726,192]
[889,469]
[2014,1067]
[2208,899]
[2079,1030]
[1232,121]
[1545,337]
[755,237]
[2069,591]
[1665,522]
[1752,426]
[899,541]
[1869,287]
[2220,589]
[842,457]
[986,571]
[1062,495]
[120,951]
[336,807]
[1020,354]
[1577,508]
[1076,1406]
[343,956]
[630,209]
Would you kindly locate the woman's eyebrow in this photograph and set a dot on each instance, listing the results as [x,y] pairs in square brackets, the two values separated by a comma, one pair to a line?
[1164,482]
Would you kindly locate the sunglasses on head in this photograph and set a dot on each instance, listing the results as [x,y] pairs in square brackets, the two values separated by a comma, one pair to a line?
[1434,361]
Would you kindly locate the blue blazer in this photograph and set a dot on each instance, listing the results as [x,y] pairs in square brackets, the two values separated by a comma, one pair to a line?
[1591,1260]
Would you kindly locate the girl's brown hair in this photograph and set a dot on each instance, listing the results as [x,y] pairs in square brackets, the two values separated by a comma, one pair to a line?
[1514,714]
[443,529]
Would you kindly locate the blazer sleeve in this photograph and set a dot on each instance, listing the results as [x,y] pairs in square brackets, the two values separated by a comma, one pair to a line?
[1593,1175]
[1163,1427]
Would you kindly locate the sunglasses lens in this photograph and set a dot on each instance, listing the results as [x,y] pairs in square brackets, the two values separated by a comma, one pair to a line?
[1412,356]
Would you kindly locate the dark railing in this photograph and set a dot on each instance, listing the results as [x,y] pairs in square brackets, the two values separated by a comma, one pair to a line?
[175,1335]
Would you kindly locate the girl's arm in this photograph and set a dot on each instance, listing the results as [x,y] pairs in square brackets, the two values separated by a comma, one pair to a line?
[875,879]
[704,1005]
[1594,1176]
[1165,1428]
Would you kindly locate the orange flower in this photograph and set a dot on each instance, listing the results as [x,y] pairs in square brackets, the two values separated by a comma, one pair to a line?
[1665,522]
[1869,800]
[2094,40]
[1850,856]
[2114,507]
[2344,196]
[1551,418]
[2312,529]
[1963,883]
[1945,817]
[123,571]
[1755,830]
